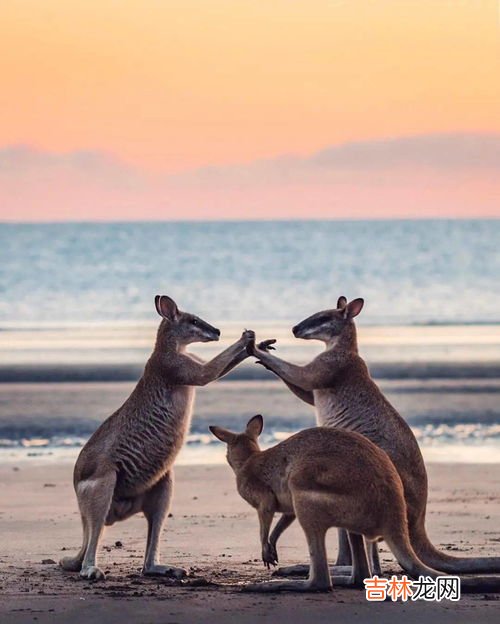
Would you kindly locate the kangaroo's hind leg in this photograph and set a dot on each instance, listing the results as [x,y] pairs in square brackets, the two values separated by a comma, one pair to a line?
[155,507]
[360,564]
[303,569]
[319,574]
[74,564]
[94,498]
[344,554]
[315,531]
[374,557]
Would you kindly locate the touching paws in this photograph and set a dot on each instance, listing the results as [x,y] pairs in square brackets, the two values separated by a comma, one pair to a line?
[264,345]
[248,338]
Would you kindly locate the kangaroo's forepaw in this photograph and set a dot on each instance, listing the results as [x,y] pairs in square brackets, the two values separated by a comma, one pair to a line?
[269,555]
[164,570]
[92,573]
[70,564]
[248,338]
[266,345]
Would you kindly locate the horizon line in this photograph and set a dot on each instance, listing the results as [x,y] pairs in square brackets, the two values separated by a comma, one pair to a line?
[250,220]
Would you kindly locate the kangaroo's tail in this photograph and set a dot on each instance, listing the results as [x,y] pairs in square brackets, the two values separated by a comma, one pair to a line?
[399,544]
[434,558]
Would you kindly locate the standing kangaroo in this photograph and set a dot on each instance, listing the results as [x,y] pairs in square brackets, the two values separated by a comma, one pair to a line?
[326,477]
[338,384]
[126,466]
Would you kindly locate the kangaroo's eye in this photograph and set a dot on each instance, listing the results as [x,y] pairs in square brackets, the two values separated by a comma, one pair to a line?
[195,321]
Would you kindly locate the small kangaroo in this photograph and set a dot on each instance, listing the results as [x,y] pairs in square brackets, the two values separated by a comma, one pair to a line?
[338,384]
[325,477]
[126,466]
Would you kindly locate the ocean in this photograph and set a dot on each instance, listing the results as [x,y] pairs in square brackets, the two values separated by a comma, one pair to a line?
[77,323]
[408,271]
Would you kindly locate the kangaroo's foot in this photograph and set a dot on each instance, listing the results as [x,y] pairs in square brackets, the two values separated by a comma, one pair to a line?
[92,573]
[155,506]
[164,570]
[284,586]
[347,581]
[303,570]
[71,564]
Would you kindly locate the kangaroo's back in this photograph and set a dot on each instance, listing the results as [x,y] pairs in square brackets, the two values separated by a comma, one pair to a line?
[321,460]
[328,451]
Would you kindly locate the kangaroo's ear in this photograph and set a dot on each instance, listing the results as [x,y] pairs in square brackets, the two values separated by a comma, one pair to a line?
[353,308]
[341,302]
[255,426]
[166,307]
[224,435]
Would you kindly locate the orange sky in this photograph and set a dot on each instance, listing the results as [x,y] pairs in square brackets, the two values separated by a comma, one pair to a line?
[171,86]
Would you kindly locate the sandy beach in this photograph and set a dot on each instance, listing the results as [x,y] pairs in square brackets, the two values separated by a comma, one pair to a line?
[213,533]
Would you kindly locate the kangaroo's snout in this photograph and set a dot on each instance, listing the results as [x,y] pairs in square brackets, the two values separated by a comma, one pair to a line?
[299,330]
[204,331]
[213,333]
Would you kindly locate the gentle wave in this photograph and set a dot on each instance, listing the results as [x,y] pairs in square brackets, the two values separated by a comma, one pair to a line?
[430,434]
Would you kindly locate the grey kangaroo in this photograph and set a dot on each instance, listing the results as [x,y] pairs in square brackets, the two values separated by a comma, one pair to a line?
[327,477]
[337,383]
[126,466]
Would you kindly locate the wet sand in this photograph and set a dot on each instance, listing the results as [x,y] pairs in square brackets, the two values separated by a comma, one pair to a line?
[214,534]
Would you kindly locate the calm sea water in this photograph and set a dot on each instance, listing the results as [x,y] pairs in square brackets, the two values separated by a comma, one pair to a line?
[81,295]
[408,271]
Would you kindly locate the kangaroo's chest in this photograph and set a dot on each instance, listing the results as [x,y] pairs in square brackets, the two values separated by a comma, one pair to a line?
[331,408]
[349,408]
[152,437]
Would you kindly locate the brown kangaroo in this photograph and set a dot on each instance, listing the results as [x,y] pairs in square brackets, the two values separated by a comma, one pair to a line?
[338,384]
[326,477]
[126,466]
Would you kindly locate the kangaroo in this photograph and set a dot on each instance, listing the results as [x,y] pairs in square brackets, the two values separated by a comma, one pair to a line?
[126,466]
[326,477]
[338,384]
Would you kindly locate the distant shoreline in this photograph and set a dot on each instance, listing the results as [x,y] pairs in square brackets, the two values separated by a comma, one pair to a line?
[53,373]
[12,326]
[308,219]
[247,220]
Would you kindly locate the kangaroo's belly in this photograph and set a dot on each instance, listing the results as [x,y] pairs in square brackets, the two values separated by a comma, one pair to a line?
[150,441]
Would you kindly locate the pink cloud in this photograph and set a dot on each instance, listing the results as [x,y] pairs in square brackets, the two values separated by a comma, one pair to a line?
[421,176]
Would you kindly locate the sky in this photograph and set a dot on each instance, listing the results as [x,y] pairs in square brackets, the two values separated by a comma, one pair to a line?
[208,109]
